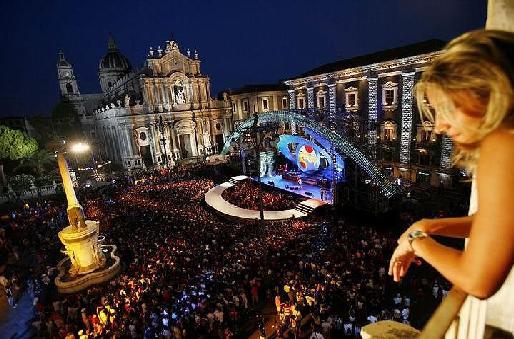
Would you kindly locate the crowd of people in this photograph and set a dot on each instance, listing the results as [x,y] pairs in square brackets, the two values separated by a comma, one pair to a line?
[189,273]
[245,194]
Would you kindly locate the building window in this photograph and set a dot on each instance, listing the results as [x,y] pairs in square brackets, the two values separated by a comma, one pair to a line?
[234,107]
[284,102]
[246,106]
[425,135]
[352,99]
[321,100]
[301,102]
[390,96]
[265,104]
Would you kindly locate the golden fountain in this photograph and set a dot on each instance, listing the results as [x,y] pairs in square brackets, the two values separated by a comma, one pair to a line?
[86,263]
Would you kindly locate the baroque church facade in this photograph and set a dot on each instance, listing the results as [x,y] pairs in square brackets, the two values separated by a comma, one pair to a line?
[155,115]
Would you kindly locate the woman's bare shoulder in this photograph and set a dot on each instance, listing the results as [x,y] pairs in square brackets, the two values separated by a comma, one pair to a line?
[501,139]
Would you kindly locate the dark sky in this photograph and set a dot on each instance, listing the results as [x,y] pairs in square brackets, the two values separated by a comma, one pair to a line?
[240,41]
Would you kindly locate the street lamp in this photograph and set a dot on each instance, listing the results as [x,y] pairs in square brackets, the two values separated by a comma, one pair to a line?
[79,148]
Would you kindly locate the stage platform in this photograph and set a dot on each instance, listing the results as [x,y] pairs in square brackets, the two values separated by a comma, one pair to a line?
[214,199]
[306,190]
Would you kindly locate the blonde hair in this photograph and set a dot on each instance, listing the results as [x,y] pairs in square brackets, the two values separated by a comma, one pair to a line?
[475,71]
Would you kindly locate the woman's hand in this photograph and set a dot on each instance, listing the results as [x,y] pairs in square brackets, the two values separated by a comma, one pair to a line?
[420,225]
[401,259]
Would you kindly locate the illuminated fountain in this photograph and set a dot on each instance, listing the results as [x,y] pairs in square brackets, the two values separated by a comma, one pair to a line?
[88,262]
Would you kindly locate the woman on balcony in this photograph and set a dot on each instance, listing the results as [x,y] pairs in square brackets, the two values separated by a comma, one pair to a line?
[468,93]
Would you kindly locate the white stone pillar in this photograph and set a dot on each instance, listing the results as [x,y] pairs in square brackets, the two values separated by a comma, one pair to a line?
[128,135]
[406,120]
[146,98]
[500,14]
[153,149]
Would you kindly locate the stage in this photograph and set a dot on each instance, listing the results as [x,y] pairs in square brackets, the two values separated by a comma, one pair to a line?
[214,199]
[306,190]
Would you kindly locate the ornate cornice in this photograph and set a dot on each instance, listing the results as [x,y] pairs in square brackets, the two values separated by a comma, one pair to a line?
[381,67]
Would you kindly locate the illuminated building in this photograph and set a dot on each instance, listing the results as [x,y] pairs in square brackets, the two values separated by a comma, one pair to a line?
[154,115]
[374,93]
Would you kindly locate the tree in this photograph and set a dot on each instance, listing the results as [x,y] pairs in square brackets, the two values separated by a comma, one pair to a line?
[14,145]
[37,162]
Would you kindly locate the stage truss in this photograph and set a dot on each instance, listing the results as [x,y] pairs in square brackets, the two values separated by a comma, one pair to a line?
[342,146]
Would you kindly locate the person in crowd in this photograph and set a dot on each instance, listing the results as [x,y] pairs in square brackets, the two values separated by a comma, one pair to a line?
[189,273]
[468,93]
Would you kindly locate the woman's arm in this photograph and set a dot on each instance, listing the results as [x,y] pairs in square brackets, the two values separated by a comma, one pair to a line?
[489,256]
[451,227]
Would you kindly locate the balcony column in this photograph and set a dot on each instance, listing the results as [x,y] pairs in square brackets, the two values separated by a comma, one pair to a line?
[406,119]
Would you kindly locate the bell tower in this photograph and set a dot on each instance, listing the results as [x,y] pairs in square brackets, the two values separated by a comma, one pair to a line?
[68,86]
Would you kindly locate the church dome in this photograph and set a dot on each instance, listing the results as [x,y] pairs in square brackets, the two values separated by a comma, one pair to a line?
[114,60]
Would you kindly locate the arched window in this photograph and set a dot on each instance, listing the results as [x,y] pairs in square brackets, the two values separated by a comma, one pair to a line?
[69,88]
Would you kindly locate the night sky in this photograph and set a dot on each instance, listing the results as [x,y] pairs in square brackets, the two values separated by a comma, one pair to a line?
[239,41]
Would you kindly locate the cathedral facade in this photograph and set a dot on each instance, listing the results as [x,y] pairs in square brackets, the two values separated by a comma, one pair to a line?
[155,115]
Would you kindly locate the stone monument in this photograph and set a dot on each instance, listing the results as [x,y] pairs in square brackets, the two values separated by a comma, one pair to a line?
[88,262]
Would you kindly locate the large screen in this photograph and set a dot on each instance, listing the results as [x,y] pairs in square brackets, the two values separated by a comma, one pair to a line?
[307,158]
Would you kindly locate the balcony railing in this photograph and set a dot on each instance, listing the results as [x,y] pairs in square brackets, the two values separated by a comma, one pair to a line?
[444,322]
